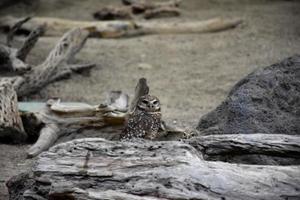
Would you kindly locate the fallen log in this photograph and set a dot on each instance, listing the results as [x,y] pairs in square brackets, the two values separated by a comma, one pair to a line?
[101,169]
[118,29]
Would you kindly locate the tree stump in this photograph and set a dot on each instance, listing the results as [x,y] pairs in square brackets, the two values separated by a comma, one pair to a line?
[11,126]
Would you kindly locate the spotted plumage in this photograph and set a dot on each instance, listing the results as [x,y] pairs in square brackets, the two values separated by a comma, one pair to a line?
[145,120]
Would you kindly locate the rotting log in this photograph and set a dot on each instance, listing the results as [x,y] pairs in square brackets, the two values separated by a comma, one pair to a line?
[119,29]
[263,149]
[100,169]
[11,126]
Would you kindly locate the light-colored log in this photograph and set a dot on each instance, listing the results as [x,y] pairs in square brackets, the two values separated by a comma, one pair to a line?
[117,29]
[61,119]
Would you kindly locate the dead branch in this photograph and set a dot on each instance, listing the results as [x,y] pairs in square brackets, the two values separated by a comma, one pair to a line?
[162,12]
[140,6]
[30,41]
[56,66]
[12,59]
[118,29]
[15,27]
[10,63]
[113,13]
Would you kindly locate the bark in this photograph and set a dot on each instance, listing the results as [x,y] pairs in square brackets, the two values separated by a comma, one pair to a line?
[101,169]
[263,149]
[119,29]
[11,126]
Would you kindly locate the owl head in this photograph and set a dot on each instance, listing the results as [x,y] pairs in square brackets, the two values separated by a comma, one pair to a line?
[148,103]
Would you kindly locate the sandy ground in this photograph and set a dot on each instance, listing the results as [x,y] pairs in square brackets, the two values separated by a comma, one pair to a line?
[191,74]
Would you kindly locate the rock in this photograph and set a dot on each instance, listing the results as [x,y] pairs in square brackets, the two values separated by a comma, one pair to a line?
[144,170]
[265,101]
[144,66]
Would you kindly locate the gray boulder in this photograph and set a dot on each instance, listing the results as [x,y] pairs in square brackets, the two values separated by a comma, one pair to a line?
[265,101]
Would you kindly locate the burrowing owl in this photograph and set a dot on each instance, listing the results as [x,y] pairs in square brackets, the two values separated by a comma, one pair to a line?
[145,120]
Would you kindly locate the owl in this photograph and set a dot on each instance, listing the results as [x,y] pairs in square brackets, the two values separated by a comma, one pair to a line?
[145,120]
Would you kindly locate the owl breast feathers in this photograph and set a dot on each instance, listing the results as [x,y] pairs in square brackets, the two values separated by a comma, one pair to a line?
[145,120]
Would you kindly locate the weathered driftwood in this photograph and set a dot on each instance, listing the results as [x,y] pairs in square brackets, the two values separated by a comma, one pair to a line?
[263,149]
[60,119]
[11,126]
[117,29]
[125,13]
[101,169]
[140,6]
[162,12]
[13,59]
[14,29]
[134,9]
[113,13]
[57,65]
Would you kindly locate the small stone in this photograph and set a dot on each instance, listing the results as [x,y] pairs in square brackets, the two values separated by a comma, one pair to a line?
[144,66]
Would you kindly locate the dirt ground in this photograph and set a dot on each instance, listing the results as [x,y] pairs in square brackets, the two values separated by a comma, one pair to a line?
[191,74]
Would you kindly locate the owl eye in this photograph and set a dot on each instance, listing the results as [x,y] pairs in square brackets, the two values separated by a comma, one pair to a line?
[155,102]
[145,101]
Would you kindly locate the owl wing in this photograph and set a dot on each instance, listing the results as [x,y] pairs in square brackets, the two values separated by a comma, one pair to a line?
[133,127]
